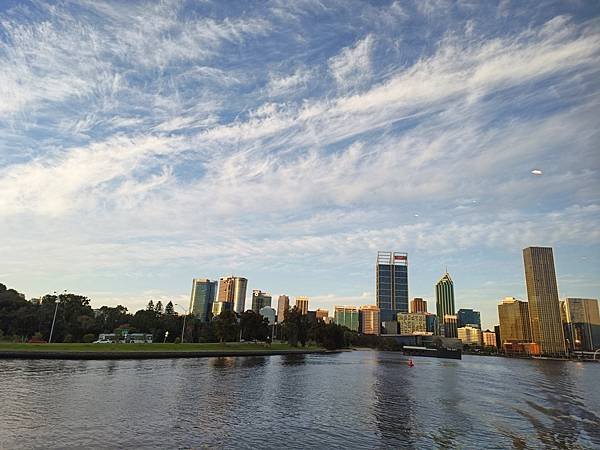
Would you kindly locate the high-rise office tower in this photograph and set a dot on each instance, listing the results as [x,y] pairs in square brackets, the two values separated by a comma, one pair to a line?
[392,284]
[544,306]
[370,320]
[233,290]
[468,317]
[203,295]
[302,305]
[283,305]
[260,300]
[581,321]
[444,303]
[418,305]
[347,316]
[514,321]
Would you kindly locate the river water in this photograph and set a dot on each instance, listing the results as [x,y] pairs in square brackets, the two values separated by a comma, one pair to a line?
[360,399]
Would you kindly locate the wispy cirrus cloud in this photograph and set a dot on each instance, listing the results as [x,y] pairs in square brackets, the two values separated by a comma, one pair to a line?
[166,134]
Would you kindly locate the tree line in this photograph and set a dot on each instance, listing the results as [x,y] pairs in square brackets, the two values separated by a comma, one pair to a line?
[22,320]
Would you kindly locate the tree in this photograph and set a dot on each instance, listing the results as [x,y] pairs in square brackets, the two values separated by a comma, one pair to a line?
[254,326]
[158,308]
[296,327]
[150,306]
[169,309]
[226,326]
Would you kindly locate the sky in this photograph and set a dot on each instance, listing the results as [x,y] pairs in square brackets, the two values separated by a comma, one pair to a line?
[143,144]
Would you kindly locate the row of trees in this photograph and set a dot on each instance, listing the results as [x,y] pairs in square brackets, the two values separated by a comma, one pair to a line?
[76,321]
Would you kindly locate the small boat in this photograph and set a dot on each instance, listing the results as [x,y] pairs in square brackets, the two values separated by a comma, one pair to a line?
[410,363]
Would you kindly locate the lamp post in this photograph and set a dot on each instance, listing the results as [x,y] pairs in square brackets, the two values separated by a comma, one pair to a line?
[54,318]
[184,317]
[165,339]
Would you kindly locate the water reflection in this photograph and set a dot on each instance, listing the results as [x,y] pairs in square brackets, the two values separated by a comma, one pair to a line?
[353,399]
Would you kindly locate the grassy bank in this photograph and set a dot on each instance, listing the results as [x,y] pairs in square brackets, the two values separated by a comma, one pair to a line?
[122,348]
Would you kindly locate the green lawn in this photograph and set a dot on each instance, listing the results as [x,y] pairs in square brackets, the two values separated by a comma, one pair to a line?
[233,346]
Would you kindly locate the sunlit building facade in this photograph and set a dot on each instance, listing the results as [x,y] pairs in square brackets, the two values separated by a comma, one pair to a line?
[391,284]
[219,307]
[347,316]
[302,305]
[489,338]
[370,320]
[204,292]
[470,335]
[283,305]
[233,290]
[412,323]
[514,321]
[418,305]
[544,306]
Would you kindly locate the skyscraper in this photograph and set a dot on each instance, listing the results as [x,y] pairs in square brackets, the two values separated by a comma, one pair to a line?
[418,305]
[370,320]
[444,303]
[203,295]
[582,323]
[302,305]
[233,290]
[283,305]
[260,300]
[392,284]
[514,321]
[544,306]
[468,317]
[347,316]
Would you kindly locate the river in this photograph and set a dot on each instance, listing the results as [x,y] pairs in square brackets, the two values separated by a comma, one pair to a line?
[360,399]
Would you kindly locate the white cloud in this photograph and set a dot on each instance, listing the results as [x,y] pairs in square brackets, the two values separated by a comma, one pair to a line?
[352,66]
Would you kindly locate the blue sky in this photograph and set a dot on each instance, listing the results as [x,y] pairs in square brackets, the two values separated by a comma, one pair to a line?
[146,143]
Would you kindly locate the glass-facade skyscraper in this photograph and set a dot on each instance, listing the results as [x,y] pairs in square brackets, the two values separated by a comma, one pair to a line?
[392,284]
[260,300]
[203,295]
[466,317]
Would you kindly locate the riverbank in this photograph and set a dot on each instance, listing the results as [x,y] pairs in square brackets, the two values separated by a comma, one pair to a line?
[148,351]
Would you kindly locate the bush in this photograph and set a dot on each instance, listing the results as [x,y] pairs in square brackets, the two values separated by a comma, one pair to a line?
[89,337]
[68,339]
[178,340]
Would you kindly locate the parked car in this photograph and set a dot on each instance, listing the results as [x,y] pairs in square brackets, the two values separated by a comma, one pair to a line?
[103,341]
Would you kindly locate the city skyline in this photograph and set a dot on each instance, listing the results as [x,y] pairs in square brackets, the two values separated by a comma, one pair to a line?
[289,143]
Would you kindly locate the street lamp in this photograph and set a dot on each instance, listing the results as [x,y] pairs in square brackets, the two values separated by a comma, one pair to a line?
[54,318]
[166,334]
[184,317]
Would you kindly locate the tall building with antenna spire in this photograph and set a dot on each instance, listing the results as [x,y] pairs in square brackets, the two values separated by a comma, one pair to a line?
[444,297]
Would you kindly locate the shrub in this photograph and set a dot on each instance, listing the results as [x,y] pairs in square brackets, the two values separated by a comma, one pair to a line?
[89,337]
